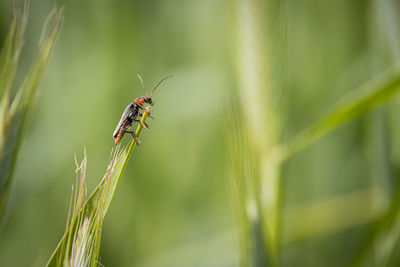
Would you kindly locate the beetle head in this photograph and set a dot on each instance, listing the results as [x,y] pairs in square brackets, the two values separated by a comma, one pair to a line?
[148,100]
[143,99]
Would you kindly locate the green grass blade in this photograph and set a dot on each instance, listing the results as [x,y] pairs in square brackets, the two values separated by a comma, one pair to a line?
[13,117]
[8,65]
[96,205]
[11,48]
[354,104]
[119,168]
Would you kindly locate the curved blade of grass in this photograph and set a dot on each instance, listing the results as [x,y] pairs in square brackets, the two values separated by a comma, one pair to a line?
[97,203]
[13,117]
[8,65]
[352,105]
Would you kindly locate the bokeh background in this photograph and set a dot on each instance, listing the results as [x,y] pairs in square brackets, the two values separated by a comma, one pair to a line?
[174,204]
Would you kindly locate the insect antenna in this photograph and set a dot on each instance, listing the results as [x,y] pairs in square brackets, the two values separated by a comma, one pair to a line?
[141,80]
[163,79]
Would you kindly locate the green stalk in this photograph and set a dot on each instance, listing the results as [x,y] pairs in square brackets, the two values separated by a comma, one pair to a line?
[96,205]
[260,37]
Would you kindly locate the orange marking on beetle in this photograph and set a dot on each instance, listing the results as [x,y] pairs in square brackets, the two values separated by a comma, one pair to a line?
[139,100]
[120,133]
[118,138]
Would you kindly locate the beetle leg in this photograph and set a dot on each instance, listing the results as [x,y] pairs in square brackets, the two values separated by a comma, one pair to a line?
[133,135]
[145,126]
[144,109]
[148,115]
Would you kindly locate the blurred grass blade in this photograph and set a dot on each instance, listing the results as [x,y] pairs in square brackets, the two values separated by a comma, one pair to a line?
[245,187]
[260,47]
[8,65]
[81,241]
[354,104]
[12,48]
[316,219]
[13,116]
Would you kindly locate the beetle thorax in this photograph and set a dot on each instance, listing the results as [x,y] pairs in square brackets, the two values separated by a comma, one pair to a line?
[139,100]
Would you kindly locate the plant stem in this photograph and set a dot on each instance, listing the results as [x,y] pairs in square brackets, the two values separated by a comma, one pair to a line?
[112,180]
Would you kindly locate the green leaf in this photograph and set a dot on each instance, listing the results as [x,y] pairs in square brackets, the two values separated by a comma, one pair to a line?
[352,105]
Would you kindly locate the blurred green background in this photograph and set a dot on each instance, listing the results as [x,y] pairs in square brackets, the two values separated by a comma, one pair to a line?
[174,206]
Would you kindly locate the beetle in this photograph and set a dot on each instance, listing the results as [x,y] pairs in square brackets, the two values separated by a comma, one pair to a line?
[132,111]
